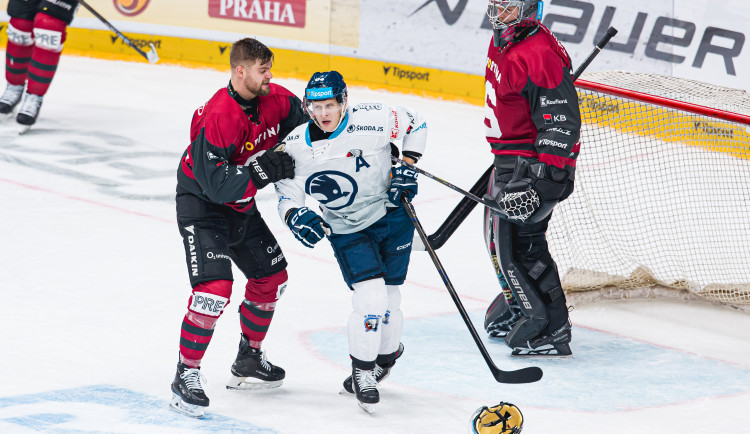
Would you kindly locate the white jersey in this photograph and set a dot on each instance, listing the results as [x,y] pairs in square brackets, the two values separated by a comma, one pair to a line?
[349,173]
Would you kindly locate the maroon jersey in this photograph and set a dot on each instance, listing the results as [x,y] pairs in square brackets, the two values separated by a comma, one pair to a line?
[531,105]
[226,133]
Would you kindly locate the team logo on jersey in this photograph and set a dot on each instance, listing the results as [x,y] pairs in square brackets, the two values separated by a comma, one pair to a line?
[372,128]
[545,102]
[367,106]
[333,189]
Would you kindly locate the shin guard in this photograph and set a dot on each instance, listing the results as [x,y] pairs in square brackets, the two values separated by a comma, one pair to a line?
[206,305]
[392,322]
[369,303]
[256,311]
[49,36]
[18,53]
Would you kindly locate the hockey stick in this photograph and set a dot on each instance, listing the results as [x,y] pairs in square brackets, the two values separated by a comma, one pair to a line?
[461,211]
[470,196]
[524,375]
[151,56]
[465,207]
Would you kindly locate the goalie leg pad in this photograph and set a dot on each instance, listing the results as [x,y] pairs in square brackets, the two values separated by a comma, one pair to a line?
[524,290]
[533,254]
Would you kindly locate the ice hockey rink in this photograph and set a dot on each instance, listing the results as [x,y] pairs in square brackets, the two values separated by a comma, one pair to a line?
[94,288]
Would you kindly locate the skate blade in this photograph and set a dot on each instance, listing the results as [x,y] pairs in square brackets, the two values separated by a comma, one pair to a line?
[541,353]
[23,129]
[343,391]
[250,383]
[369,408]
[186,409]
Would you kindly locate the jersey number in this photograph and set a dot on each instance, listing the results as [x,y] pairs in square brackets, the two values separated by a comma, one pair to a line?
[490,119]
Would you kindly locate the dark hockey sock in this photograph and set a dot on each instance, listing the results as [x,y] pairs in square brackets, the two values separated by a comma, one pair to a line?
[255,319]
[49,34]
[18,52]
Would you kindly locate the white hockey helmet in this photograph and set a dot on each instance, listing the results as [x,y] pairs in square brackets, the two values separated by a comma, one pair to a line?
[499,12]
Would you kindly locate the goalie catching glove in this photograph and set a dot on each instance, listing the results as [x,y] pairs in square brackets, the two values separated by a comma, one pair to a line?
[307,226]
[533,191]
[503,418]
[403,183]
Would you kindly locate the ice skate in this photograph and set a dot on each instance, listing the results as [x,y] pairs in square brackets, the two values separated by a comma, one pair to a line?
[188,397]
[556,344]
[252,371]
[381,371]
[28,112]
[10,98]
[365,388]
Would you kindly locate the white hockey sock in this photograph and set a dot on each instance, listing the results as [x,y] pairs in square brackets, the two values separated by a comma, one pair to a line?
[369,303]
[392,324]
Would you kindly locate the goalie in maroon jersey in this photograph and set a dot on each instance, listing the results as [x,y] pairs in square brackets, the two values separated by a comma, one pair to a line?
[231,157]
[36,34]
[533,127]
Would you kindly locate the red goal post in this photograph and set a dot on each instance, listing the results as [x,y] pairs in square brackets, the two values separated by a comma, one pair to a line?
[662,200]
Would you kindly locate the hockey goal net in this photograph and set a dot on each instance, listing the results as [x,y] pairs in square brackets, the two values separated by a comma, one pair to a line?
[662,199]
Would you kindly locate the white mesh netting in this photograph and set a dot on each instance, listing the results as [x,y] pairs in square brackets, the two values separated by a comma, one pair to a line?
[662,199]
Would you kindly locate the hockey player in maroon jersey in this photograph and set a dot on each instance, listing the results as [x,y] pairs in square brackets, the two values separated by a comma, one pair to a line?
[36,34]
[533,126]
[229,159]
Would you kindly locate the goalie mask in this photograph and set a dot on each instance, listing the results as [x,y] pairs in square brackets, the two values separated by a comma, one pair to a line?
[323,86]
[503,418]
[507,16]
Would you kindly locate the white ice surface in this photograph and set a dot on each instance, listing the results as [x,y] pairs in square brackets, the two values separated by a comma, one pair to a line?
[94,287]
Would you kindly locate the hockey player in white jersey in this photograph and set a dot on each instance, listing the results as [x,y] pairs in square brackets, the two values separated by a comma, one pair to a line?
[343,160]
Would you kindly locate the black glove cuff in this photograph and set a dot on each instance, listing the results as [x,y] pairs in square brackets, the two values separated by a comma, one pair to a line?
[550,190]
[258,175]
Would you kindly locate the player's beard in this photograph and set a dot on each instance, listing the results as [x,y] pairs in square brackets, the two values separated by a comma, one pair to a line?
[257,88]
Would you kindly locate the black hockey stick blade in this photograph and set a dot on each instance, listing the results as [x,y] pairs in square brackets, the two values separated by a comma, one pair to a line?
[532,374]
[525,375]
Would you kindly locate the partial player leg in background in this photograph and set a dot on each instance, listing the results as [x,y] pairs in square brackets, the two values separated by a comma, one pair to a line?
[50,25]
[18,52]
[257,254]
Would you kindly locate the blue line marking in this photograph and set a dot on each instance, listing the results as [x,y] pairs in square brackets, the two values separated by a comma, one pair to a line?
[120,409]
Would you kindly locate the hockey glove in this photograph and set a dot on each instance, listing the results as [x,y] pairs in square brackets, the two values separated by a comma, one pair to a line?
[271,167]
[307,226]
[533,192]
[403,183]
